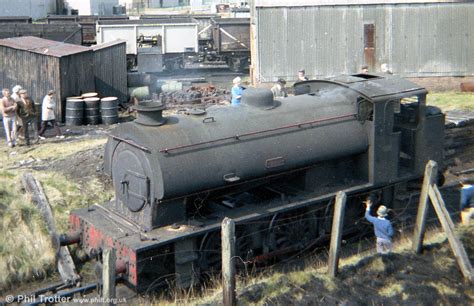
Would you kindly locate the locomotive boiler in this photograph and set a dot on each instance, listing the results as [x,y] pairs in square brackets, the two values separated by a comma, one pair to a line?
[271,165]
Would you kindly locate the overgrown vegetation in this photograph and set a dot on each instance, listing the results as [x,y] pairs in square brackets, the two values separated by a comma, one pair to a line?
[365,278]
[25,247]
[451,100]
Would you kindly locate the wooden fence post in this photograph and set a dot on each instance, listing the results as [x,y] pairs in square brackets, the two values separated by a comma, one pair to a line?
[65,264]
[448,226]
[336,233]
[228,264]
[108,274]
[429,179]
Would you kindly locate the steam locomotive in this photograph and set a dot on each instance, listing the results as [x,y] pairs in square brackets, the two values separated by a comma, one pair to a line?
[272,165]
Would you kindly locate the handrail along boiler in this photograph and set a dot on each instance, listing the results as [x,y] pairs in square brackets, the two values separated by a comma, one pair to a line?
[271,165]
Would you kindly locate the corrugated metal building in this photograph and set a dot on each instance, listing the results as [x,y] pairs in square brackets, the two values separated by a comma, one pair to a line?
[110,69]
[40,65]
[415,38]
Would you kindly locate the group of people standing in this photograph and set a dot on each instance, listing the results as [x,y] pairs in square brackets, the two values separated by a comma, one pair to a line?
[279,90]
[19,115]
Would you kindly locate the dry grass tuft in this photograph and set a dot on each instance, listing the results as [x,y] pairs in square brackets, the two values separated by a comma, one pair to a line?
[25,247]
[391,290]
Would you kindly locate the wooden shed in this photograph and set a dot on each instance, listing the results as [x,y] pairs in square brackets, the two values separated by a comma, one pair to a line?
[110,69]
[39,65]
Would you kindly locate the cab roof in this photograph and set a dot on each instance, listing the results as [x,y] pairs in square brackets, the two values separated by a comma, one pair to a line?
[373,86]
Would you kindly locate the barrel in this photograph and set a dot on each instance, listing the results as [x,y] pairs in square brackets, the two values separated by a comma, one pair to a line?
[92,112]
[109,110]
[89,95]
[74,111]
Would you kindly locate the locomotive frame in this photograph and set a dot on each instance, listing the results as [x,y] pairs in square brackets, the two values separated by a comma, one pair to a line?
[176,234]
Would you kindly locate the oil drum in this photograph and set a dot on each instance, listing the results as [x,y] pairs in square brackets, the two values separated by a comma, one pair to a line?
[89,95]
[74,111]
[109,110]
[92,110]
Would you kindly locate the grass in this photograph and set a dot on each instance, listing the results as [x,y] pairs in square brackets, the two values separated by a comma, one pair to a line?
[269,288]
[391,290]
[25,247]
[451,100]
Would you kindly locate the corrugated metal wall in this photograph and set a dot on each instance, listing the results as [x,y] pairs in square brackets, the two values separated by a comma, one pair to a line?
[414,39]
[110,71]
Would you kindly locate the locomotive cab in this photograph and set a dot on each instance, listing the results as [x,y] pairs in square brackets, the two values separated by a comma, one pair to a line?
[404,132]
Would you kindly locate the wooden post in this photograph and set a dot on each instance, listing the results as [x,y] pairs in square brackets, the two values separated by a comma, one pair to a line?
[66,267]
[228,265]
[108,274]
[336,233]
[448,226]
[431,172]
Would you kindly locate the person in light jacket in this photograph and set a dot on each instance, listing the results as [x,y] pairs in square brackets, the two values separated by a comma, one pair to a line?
[48,116]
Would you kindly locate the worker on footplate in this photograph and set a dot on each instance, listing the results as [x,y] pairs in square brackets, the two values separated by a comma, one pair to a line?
[382,227]
[236,91]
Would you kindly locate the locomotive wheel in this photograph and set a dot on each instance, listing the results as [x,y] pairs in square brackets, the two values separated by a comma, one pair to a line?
[210,260]
[292,232]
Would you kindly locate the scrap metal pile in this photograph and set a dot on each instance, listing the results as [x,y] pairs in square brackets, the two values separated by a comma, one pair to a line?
[204,95]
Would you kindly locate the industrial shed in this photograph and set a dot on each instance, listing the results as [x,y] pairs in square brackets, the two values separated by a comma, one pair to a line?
[40,65]
[110,69]
[421,39]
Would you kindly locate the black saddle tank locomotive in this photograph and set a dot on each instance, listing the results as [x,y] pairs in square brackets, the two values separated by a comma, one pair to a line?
[263,163]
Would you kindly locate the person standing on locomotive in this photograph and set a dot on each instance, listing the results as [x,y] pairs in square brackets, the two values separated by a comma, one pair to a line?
[382,227]
[302,75]
[236,91]
[279,90]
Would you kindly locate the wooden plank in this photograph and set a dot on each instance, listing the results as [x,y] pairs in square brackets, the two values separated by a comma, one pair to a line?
[336,233]
[448,226]
[108,274]
[431,172]
[66,267]
[228,264]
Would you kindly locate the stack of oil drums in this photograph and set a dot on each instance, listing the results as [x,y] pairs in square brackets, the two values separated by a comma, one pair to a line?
[90,109]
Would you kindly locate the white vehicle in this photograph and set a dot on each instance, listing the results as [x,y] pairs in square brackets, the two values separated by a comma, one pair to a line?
[163,41]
